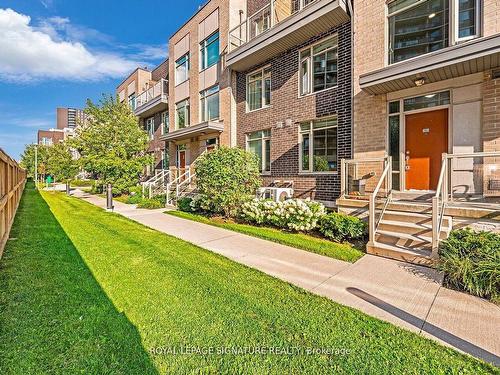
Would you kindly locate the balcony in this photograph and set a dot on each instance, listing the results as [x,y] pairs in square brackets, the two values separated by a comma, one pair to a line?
[153,100]
[279,26]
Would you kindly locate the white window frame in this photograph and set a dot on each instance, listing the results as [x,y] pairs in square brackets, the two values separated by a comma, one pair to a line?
[309,60]
[177,65]
[188,117]
[453,38]
[203,48]
[165,120]
[455,11]
[150,127]
[310,132]
[204,103]
[263,138]
[263,94]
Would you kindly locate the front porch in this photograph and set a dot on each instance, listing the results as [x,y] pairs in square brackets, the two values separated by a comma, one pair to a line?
[409,224]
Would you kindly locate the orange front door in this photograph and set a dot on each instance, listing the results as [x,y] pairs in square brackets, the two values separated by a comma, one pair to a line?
[426,137]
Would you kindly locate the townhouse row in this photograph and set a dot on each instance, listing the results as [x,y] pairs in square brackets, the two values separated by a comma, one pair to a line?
[338,98]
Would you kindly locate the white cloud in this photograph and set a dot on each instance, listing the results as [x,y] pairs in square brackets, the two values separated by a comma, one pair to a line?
[30,52]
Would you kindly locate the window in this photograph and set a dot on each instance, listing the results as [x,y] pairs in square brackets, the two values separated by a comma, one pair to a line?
[46,141]
[259,89]
[166,123]
[260,144]
[150,127]
[209,51]
[318,66]
[182,114]
[427,101]
[165,158]
[393,135]
[131,101]
[182,69]
[417,27]
[318,145]
[209,104]
[211,144]
[466,19]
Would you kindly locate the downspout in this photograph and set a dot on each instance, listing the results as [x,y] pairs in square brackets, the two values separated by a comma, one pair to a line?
[351,11]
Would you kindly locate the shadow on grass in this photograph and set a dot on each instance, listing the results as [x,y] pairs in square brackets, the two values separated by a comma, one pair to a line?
[54,316]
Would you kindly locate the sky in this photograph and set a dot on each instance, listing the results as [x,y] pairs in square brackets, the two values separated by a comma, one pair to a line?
[58,53]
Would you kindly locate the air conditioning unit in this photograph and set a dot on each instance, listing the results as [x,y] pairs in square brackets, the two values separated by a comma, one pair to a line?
[277,194]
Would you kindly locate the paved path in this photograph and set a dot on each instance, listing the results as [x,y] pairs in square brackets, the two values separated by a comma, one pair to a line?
[406,295]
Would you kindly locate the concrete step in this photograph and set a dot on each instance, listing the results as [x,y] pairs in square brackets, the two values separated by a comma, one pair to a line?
[412,217]
[415,256]
[404,240]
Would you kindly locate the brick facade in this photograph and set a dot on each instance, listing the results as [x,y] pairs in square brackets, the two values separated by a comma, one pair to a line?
[491,127]
[288,109]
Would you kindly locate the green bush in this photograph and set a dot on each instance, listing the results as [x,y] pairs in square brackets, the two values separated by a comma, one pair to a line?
[134,199]
[471,262]
[151,204]
[340,227]
[226,178]
[184,204]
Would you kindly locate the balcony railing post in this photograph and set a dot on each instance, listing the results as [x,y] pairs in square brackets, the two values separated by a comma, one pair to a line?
[272,13]
[343,187]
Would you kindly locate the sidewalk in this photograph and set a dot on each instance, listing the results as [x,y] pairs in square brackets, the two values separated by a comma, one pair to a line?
[406,295]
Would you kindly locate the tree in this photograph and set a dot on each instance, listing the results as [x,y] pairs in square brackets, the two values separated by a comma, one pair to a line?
[225,178]
[61,164]
[111,144]
[28,159]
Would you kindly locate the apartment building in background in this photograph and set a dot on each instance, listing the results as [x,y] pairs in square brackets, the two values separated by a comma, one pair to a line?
[292,83]
[146,92]
[67,120]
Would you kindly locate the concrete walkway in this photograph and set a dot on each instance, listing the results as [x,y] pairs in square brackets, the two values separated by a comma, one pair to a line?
[403,294]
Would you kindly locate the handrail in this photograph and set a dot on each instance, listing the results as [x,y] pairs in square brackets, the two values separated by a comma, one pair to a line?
[153,181]
[438,209]
[160,88]
[373,223]
[474,155]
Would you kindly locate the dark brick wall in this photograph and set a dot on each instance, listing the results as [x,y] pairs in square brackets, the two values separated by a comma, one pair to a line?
[288,109]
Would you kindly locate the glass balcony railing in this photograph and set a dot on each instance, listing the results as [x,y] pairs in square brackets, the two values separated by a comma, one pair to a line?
[266,18]
[160,89]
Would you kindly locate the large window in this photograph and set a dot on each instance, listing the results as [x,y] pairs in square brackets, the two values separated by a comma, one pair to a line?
[209,51]
[209,104]
[131,101]
[182,114]
[260,144]
[150,127]
[318,145]
[182,69]
[417,27]
[318,66]
[259,89]
[427,101]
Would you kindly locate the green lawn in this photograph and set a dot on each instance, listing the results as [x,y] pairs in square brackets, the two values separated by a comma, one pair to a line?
[302,241]
[86,291]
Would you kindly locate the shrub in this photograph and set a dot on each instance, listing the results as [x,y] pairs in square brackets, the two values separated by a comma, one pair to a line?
[226,178]
[82,183]
[151,204]
[294,214]
[471,262]
[134,199]
[184,204]
[340,227]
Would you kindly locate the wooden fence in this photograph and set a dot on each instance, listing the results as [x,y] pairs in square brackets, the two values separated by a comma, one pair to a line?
[12,181]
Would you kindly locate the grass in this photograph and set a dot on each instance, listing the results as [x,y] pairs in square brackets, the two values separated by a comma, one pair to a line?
[86,291]
[302,241]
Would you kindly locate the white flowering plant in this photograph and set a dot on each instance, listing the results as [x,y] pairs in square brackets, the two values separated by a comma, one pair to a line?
[293,214]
